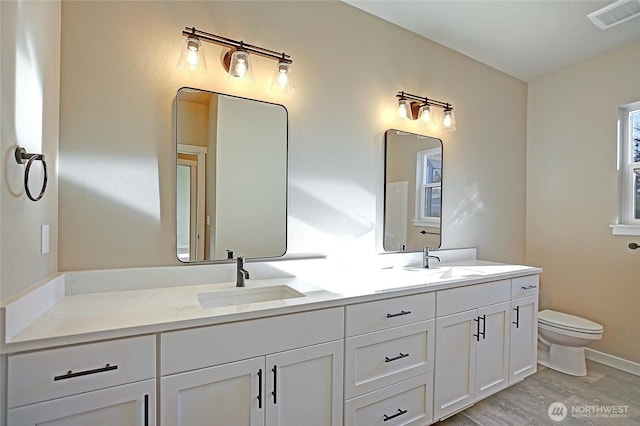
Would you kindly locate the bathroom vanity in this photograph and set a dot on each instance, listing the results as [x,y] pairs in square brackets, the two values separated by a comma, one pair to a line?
[402,346]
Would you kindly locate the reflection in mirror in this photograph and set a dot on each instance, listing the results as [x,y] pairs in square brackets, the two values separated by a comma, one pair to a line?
[231,185]
[413,191]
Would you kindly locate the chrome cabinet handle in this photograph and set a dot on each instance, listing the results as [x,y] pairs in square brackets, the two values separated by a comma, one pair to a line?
[398,314]
[529,287]
[70,374]
[517,321]
[393,416]
[395,358]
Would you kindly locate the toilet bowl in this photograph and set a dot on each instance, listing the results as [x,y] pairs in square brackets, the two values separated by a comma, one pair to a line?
[561,341]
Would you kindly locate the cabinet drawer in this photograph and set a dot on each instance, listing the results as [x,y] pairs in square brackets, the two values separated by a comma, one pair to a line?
[471,297]
[195,348]
[382,314]
[379,359]
[408,403]
[525,286]
[44,375]
[124,405]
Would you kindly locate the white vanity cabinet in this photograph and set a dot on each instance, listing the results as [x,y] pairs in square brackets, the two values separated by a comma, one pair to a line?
[389,360]
[523,354]
[284,370]
[472,345]
[95,384]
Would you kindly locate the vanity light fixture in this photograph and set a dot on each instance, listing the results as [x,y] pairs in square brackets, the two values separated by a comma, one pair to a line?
[416,107]
[237,61]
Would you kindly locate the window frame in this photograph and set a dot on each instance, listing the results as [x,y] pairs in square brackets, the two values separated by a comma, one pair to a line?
[421,186]
[627,223]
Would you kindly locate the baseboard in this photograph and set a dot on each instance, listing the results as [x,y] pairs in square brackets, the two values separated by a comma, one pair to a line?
[613,361]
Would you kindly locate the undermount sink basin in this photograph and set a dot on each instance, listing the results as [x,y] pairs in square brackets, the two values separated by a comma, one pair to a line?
[446,272]
[240,296]
[460,273]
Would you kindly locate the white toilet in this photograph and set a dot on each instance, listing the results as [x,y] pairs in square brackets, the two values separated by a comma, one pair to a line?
[561,341]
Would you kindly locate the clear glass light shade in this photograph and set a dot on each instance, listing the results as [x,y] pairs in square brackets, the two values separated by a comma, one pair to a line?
[282,79]
[240,68]
[425,114]
[448,121]
[192,56]
[404,108]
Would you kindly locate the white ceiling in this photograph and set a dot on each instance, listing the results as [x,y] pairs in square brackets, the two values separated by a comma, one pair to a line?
[523,38]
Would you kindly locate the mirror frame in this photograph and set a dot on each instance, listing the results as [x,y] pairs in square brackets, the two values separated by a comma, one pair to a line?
[286,179]
[384,183]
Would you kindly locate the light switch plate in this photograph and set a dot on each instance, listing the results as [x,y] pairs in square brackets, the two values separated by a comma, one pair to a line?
[44,239]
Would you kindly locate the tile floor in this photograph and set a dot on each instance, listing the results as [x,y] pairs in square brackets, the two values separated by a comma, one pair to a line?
[527,402]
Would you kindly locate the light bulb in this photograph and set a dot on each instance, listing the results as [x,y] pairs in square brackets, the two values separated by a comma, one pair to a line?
[282,79]
[192,56]
[404,109]
[241,68]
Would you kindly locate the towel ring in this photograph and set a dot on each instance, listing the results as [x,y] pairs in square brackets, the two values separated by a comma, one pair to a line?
[23,157]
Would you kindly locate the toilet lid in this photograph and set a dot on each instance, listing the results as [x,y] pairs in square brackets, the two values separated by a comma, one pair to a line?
[568,322]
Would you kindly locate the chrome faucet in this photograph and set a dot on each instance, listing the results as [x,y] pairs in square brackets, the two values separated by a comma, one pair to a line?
[426,256]
[241,273]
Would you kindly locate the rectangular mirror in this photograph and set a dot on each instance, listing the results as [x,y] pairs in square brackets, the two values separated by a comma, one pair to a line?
[412,192]
[231,185]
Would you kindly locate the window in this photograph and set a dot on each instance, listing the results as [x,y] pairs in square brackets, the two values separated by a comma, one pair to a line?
[633,168]
[428,187]
[629,171]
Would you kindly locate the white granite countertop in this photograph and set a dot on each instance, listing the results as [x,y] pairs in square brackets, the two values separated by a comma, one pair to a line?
[79,318]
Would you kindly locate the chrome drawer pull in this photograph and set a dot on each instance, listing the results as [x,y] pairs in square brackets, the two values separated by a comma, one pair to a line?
[398,314]
[529,287]
[395,358]
[70,374]
[393,416]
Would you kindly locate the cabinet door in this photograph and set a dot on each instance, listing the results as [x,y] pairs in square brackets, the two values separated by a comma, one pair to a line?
[125,405]
[492,358]
[524,338]
[228,394]
[304,386]
[455,363]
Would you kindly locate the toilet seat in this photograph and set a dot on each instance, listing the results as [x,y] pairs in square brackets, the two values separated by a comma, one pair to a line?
[562,321]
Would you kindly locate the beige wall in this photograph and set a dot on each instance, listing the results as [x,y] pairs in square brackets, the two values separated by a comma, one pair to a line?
[117,141]
[30,87]
[571,197]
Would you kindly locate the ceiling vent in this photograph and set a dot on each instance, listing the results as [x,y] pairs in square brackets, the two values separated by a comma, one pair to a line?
[616,13]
